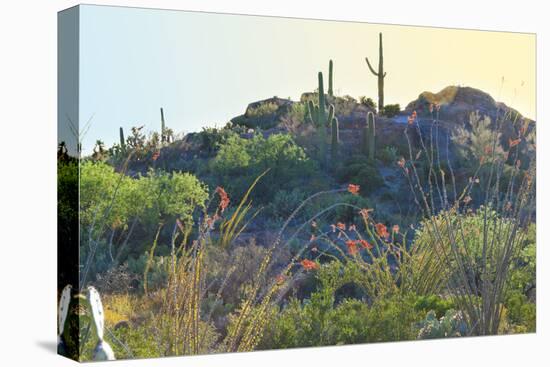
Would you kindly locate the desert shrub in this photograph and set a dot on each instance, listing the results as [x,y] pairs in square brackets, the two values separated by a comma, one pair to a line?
[137,342]
[360,171]
[434,303]
[524,271]
[158,268]
[262,109]
[170,195]
[394,319]
[298,113]
[239,159]
[107,197]
[348,214]
[390,110]
[284,203]
[367,101]
[521,313]
[478,139]
[112,203]
[317,321]
[211,138]
[116,280]
[111,199]
[388,155]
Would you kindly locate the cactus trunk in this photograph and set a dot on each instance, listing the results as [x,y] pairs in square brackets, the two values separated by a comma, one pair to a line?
[371,126]
[318,116]
[330,91]
[162,126]
[335,138]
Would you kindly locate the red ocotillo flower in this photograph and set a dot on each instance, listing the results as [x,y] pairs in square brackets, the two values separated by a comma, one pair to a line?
[309,265]
[354,189]
[224,198]
[382,230]
[352,247]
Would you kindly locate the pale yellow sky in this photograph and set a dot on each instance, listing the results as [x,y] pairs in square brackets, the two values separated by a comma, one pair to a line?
[205,68]
[423,58]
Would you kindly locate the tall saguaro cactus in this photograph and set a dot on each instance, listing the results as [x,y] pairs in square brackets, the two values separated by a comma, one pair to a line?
[380,74]
[122,140]
[330,92]
[162,127]
[320,117]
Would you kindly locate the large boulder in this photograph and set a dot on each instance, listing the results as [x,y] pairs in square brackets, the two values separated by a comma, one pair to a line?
[265,114]
[458,102]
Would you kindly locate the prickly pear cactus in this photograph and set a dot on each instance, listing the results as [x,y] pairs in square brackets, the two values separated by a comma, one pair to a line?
[452,324]
[79,314]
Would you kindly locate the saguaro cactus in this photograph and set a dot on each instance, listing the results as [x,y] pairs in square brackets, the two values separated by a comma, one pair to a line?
[162,127]
[122,140]
[320,117]
[380,74]
[330,91]
[335,134]
[369,136]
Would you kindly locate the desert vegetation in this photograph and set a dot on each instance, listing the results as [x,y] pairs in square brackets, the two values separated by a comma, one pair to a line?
[309,223]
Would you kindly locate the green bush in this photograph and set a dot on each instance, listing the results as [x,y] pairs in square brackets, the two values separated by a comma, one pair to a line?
[434,303]
[360,171]
[391,110]
[212,138]
[521,313]
[239,159]
[367,101]
[112,203]
[324,320]
[388,155]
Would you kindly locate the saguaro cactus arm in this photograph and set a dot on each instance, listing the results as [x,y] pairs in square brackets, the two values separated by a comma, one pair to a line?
[372,70]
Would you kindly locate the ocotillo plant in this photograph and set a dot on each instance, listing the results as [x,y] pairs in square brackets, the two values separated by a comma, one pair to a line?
[162,127]
[318,116]
[330,91]
[369,135]
[380,74]
[122,140]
